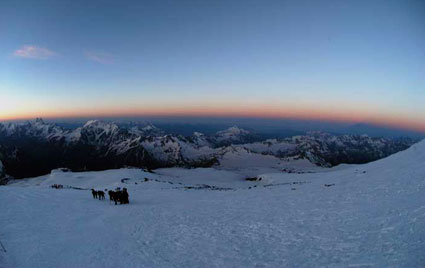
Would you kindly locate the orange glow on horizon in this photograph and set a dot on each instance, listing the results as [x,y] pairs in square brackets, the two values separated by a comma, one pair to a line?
[244,111]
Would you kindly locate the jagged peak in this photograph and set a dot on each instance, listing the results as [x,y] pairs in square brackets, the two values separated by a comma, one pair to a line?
[100,124]
[147,130]
[39,120]
[91,123]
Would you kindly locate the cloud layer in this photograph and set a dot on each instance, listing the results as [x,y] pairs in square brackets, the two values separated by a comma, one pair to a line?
[100,57]
[33,52]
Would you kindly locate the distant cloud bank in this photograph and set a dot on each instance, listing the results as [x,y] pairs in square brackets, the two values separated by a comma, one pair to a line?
[33,52]
[100,57]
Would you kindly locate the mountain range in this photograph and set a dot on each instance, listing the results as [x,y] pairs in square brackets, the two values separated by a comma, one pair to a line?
[33,148]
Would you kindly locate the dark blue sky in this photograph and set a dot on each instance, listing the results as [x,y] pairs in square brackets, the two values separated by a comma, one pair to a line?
[342,60]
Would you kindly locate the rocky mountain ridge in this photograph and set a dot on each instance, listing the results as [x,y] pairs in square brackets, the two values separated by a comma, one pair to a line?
[35,147]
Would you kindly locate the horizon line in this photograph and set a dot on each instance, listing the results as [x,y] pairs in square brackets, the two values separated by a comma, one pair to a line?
[377,123]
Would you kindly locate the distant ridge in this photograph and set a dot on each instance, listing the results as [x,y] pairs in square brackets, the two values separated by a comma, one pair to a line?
[35,147]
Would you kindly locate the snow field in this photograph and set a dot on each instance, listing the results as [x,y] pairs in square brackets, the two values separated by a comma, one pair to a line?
[369,215]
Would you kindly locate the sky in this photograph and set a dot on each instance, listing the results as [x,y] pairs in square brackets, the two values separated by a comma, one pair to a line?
[345,61]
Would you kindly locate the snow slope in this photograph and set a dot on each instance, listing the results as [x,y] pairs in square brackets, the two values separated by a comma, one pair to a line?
[370,215]
[243,161]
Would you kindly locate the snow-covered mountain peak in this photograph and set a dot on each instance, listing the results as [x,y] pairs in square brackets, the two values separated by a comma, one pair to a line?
[148,145]
[90,123]
[98,133]
[97,124]
[232,135]
[39,120]
[146,131]
[200,139]
[36,129]
[198,134]
[149,127]
[232,131]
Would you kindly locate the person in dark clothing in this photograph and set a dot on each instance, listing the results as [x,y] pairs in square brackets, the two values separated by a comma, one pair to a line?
[94,193]
[111,195]
[101,195]
[124,196]
[117,196]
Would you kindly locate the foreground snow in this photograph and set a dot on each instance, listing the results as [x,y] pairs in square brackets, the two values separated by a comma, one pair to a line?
[369,215]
